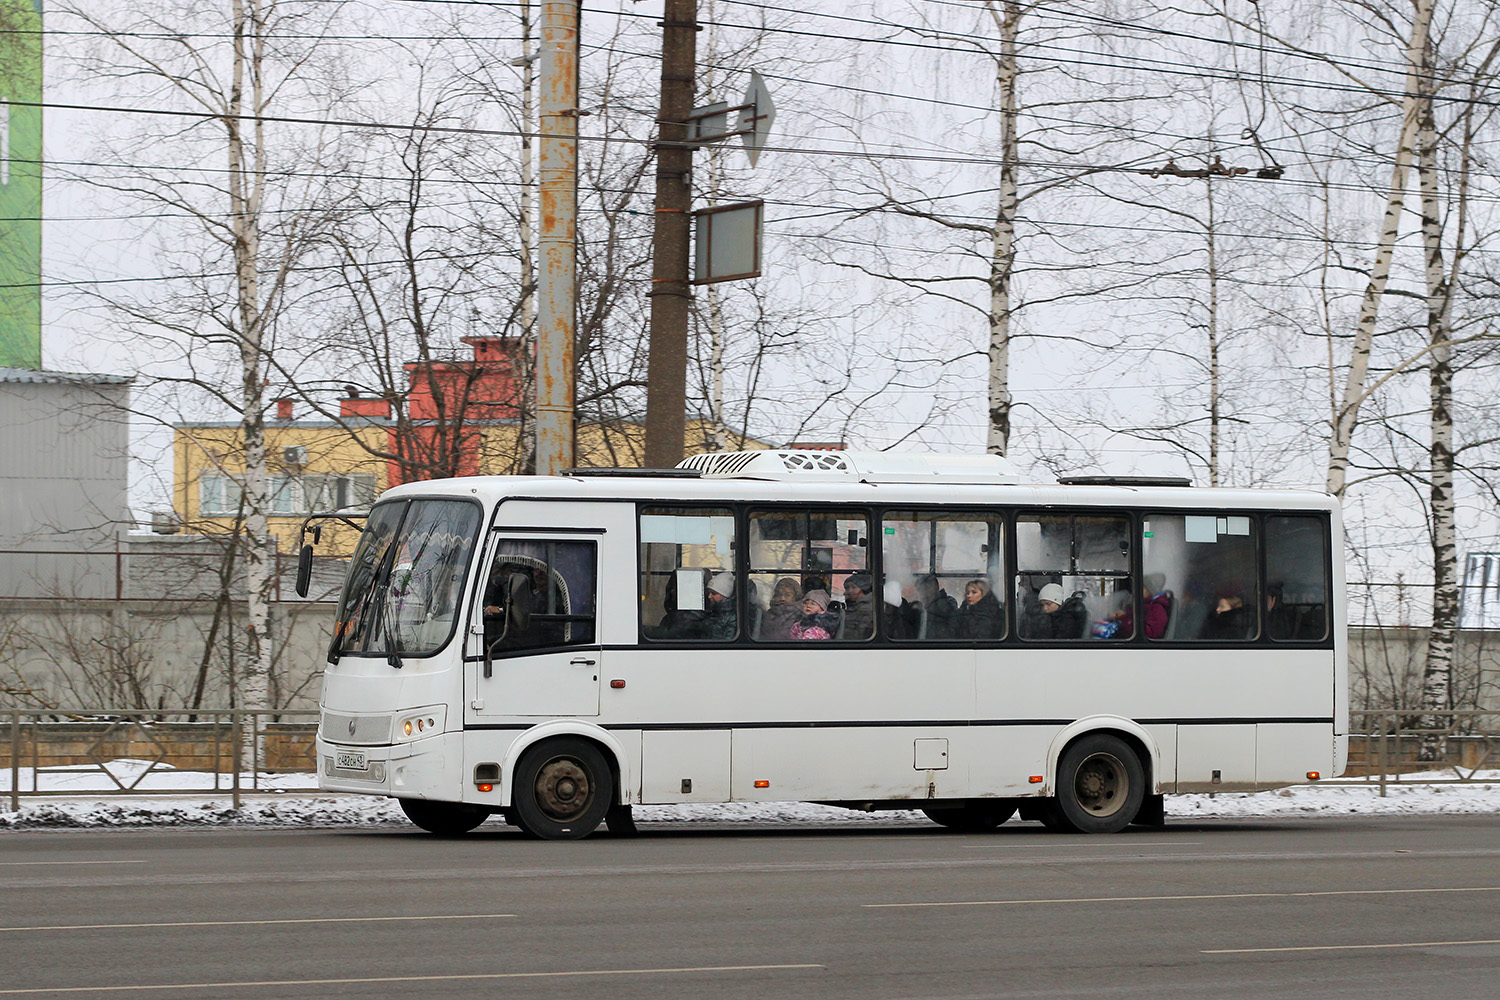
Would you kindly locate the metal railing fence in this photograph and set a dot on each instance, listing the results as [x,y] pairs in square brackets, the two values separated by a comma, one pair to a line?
[1392,746]
[106,752]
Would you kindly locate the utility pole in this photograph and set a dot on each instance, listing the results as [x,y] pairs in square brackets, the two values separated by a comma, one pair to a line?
[671,292]
[557,238]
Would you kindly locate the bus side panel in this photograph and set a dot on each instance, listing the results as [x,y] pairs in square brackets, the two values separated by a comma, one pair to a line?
[1216,758]
[1286,753]
[834,763]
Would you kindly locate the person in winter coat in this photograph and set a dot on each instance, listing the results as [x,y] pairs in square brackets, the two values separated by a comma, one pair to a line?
[816,622]
[1052,617]
[859,607]
[1158,605]
[786,607]
[719,624]
[941,609]
[979,616]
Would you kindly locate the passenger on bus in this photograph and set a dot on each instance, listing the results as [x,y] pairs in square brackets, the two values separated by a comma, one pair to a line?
[980,616]
[1231,620]
[719,617]
[786,607]
[859,607]
[816,621]
[678,623]
[1158,605]
[941,609]
[1056,618]
[1119,621]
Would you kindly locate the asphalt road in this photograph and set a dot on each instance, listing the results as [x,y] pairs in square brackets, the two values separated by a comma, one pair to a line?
[1362,908]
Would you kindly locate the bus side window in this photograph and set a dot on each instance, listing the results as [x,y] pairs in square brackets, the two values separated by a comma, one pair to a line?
[941,576]
[809,576]
[1199,579]
[539,593]
[1073,577]
[1296,605]
[688,591]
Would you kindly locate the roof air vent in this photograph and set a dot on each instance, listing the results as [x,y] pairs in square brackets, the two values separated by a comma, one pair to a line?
[856,466]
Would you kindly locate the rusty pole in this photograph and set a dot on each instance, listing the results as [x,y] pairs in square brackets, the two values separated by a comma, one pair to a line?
[671,293]
[556,239]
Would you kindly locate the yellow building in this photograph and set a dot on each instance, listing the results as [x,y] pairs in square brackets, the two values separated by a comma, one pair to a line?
[312,465]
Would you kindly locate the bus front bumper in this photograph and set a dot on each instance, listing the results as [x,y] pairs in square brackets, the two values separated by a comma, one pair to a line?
[421,769]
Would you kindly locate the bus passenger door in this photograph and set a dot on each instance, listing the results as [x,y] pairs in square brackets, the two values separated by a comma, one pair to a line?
[534,644]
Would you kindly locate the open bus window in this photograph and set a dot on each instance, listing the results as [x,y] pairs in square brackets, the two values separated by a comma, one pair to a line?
[687,585]
[1073,577]
[801,567]
[1296,582]
[940,576]
[539,593]
[1199,577]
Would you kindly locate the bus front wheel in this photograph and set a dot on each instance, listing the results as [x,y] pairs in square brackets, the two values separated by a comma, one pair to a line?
[446,819]
[563,789]
[1100,784]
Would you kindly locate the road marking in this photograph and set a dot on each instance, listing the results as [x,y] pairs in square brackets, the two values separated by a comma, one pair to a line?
[1149,899]
[256,923]
[406,979]
[1010,843]
[1345,947]
[18,864]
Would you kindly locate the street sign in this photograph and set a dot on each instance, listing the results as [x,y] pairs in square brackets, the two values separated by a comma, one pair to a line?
[709,123]
[756,115]
[726,242]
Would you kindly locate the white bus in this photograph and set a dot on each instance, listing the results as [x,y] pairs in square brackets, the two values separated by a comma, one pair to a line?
[867,630]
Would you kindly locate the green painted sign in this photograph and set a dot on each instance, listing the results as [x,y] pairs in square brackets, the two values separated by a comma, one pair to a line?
[20,184]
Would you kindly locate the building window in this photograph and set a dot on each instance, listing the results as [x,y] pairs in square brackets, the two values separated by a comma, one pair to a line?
[288,496]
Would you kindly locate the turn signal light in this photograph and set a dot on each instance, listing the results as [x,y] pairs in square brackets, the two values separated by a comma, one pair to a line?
[1035,779]
[486,788]
[762,784]
[406,727]
[1313,775]
[617,684]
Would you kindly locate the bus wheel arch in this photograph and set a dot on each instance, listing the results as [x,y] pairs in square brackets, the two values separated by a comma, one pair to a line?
[1102,775]
[563,780]
[1100,784]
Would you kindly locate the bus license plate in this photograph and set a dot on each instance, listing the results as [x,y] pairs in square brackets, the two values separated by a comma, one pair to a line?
[351,760]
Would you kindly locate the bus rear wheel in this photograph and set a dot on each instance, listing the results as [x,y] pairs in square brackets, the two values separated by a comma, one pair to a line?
[1100,784]
[563,789]
[972,817]
[446,819]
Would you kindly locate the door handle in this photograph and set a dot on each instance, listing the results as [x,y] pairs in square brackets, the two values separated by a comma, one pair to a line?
[581,662]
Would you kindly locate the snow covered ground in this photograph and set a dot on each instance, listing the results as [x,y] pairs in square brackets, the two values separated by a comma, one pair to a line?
[290,800]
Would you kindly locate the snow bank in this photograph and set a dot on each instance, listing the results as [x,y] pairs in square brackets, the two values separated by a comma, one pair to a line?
[290,801]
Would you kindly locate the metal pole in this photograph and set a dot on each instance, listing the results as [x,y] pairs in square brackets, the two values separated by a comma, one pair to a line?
[671,292]
[237,726]
[556,241]
[15,763]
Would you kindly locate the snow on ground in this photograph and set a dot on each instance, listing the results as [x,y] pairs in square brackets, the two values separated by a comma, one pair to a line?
[290,800]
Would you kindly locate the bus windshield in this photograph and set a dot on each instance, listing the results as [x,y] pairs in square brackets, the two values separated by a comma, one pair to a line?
[406,578]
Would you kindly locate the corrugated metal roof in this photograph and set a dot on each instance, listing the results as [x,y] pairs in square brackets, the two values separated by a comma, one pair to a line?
[61,378]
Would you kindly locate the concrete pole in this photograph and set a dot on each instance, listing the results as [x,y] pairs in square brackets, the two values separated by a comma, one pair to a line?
[557,238]
[671,293]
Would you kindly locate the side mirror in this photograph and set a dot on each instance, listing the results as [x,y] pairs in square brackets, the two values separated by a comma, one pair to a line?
[304,570]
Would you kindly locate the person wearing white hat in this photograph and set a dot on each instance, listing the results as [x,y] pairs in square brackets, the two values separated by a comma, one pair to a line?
[720,623]
[1043,620]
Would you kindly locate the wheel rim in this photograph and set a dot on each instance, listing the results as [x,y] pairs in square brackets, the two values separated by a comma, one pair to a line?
[1102,784]
[564,790]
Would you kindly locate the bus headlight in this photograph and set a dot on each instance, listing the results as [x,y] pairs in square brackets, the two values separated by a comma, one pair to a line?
[418,723]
